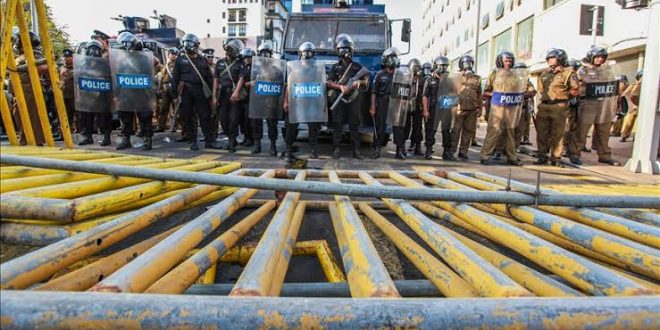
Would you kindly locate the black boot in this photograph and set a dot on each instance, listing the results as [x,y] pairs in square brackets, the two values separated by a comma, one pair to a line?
[447,155]
[312,152]
[256,148]
[87,139]
[106,139]
[273,148]
[147,143]
[541,161]
[194,145]
[418,149]
[399,154]
[429,153]
[231,148]
[336,153]
[288,154]
[213,145]
[125,143]
[376,153]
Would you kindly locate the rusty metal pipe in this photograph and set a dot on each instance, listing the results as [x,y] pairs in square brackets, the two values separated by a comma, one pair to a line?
[339,189]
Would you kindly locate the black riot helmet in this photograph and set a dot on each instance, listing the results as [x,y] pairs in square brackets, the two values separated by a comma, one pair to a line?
[265,50]
[466,62]
[415,66]
[575,64]
[596,51]
[499,61]
[390,58]
[173,51]
[246,55]
[35,40]
[67,52]
[190,43]
[80,47]
[233,48]
[129,41]
[639,75]
[345,46]
[559,54]
[622,78]
[440,64]
[306,51]
[427,68]
[520,65]
[94,48]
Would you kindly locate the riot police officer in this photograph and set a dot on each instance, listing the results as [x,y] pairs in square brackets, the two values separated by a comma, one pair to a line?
[596,109]
[340,73]
[209,55]
[193,73]
[243,85]
[225,77]
[414,121]
[306,51]
[266,50]
[95,105]
[66,84]
[557,85]
[632,92]
[381,90]
[427,69]
[165,90]
[523,128]
[440,76]
[469,108]
[623,105]
[129,42]
[503,117]
[571,124]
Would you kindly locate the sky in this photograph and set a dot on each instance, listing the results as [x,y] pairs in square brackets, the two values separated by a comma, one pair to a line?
[82,17]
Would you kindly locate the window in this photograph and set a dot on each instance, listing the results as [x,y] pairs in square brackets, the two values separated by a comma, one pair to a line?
[466,35]
[482,59]
[242,30]
[242,15]
[224,15]
[524,39]
[460,13]
[224,29]
[502,42]
[467,5]
[232,30]
[510,5]
[232,16]
[499,11]
[550,3]
[587,17]
[485,20]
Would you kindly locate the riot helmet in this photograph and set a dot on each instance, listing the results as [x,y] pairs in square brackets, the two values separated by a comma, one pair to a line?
[390,58]
[427,68]
[80,47]
[466,62]
[306,51]
[35,40]
[559,54]
[415,66]
[246,55]
[129,41]
[67,52]
[345,47]
[502,56]
[94,48]
[440,64]
[594,52]
[639,75]
[575,64]
[173,51]
[233,48]
[265,50]
[622,78]
[520,65]
[190,43]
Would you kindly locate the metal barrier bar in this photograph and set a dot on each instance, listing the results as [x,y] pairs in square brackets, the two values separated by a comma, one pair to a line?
[20,310]
[54,74]
[320,204]
[149,267]
[648,218]
[580,272]
[8,18]
[6,118]
[367,275]
[285,256]
[39,265]
[447,282]
[256,279]
[487,280]
[28,51]
[629,229]
[23,113]
[186,273]
[85,277]
[638,257]
[312,173]
[337,189]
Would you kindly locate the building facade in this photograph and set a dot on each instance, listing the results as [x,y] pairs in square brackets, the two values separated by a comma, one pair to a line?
[529,28]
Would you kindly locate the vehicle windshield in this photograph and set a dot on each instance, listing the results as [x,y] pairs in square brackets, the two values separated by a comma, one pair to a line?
[368,33]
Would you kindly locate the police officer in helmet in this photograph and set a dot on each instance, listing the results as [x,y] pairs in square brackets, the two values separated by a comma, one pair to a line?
[439,76]
[94,49]
[165,89]
[414,120]
[192,73]
[265,50]
[243,86]
[339,75]
[225,77]
[380,99]
[469,108]
[427,69]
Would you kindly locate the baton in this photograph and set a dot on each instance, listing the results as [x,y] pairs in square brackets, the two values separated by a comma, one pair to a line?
[373,121]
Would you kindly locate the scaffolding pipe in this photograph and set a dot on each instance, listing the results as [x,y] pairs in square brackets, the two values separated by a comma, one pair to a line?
[27,310]
[339,189]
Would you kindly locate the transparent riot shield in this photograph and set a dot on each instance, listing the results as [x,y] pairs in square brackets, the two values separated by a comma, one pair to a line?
[306,91]
[447,101]
[509,87]
[267,88]
[132,77]
[400,100]
[600,93]
[92,84]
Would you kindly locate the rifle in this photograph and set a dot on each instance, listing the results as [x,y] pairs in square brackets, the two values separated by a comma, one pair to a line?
[359,75]
[177,109]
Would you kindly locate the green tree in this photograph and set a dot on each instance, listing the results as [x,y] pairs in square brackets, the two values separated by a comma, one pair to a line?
[58,34]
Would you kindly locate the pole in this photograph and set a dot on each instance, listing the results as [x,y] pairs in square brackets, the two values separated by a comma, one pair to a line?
[645,150]
[476,36]
[594,24]
[35,18]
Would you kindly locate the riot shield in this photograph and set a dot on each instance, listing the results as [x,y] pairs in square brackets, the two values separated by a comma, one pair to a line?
[132,75]
[306,91]
[600,92]
[509,87]
[92,84]
[400,101]
[448,87]
[267,86]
